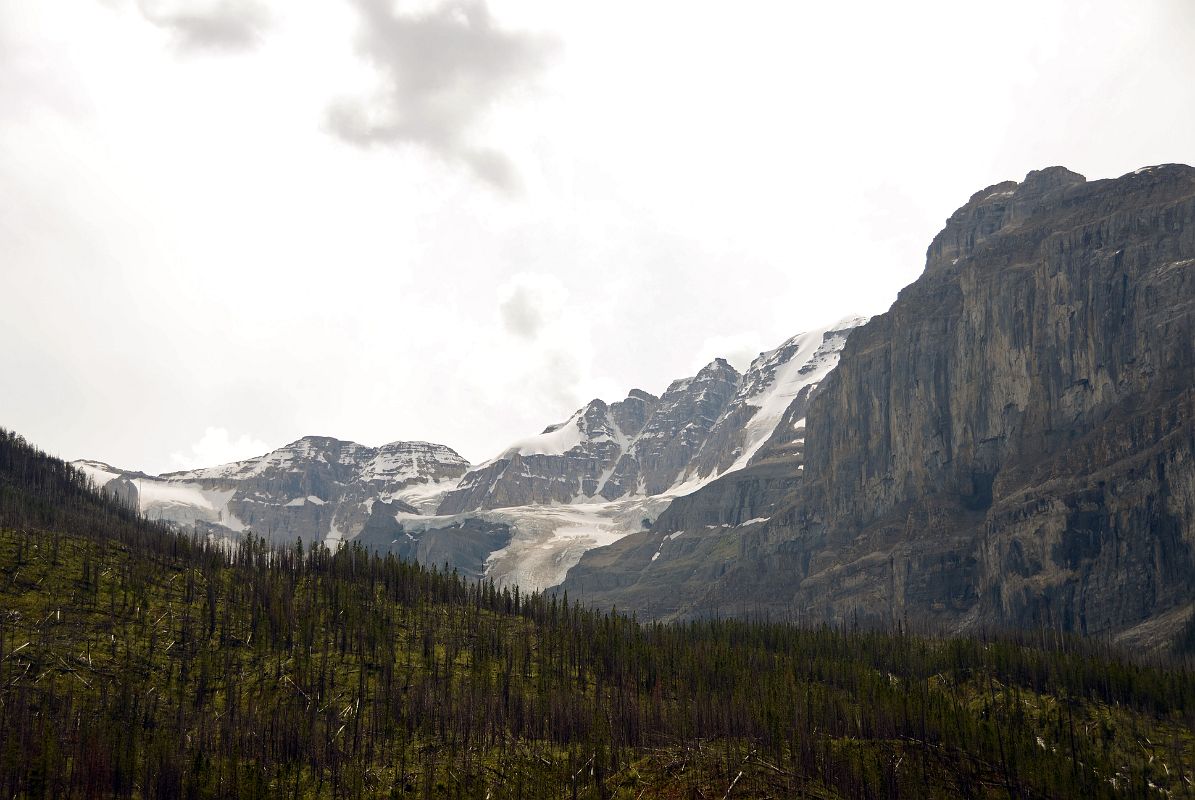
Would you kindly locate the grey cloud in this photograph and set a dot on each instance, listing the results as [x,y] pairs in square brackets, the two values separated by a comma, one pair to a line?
[227,25]
[441,70]
[521,315]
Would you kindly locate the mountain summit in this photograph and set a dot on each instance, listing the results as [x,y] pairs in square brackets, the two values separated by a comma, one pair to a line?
[316,488]
[643,446]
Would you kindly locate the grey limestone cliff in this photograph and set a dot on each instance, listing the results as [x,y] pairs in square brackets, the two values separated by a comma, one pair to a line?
[1013,443]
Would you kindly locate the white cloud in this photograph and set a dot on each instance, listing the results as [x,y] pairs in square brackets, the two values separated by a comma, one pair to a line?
[439,71]
[531,302]
[227,25]
[217,446]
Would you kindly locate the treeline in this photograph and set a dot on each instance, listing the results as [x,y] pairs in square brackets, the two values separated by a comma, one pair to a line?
[139,662]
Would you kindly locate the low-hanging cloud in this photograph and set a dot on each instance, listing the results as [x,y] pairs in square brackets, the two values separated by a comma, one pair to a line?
[217,446]
[223,25]
[532,301]
[521,314]
[440,71]
[739,349]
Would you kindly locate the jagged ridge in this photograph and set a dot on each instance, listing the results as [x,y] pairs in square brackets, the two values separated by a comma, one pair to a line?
[316,488]
[701,427]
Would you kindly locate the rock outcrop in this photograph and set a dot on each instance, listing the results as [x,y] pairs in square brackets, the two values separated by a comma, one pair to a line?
[463,545]
[692,543]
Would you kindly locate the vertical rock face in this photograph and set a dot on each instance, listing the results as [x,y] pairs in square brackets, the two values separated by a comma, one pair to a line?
[1043,307]
[1013,442]
[632,414]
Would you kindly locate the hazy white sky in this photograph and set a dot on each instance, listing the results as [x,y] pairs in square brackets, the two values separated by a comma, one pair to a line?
[225,224]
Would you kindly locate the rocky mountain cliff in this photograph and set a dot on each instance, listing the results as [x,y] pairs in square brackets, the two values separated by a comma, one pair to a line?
[317,488]
[1013,443]
[701,427]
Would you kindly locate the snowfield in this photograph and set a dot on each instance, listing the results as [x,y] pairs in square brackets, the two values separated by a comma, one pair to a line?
[548,540]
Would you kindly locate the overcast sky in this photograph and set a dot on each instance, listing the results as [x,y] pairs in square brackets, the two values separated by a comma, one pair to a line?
[225,224]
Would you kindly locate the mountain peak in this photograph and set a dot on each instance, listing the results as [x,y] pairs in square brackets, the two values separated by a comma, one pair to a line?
[317,487]
[993,209]
[1055,193]
[419,446]
[1040,181]
[719,364]
[646,446]
[322,441]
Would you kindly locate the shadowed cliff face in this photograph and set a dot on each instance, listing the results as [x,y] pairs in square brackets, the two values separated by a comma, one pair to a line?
[1013,442]
[1015,342]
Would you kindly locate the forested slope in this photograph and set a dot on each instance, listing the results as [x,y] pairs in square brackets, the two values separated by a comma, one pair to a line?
[135,662]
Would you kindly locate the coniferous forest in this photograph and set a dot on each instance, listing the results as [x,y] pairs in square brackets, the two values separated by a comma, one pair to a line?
[136,661]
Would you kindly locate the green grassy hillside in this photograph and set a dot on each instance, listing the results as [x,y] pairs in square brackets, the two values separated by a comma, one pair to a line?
[136,662]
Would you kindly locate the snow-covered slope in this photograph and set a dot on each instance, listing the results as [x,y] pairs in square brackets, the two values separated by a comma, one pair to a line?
[775,381]
[569,461]
[316,488]
[700,428]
